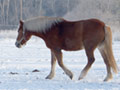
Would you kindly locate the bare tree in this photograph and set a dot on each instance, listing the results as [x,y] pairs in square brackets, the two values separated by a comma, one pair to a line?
[16,12]
[53,8]
[68,4]
[21,8]
[40,6]
[7,12]
[2,12]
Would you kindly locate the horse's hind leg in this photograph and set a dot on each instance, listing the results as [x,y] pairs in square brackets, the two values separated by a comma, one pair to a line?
[59,57]
[109,74]
[91,59]
[53,64]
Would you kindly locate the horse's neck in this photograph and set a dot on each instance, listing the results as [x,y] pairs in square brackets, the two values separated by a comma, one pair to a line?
[38,34]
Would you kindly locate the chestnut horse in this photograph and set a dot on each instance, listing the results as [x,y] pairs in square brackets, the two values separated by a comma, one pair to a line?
[60,34]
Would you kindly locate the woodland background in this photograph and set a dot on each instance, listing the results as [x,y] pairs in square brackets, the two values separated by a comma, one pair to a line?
[11,11]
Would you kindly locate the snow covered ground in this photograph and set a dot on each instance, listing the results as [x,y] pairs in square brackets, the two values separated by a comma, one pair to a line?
[17,66]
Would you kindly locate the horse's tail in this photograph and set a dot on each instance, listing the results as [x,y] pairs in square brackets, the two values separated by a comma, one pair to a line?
[107,48]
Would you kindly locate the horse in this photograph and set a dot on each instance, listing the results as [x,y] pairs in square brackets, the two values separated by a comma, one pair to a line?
[60,34]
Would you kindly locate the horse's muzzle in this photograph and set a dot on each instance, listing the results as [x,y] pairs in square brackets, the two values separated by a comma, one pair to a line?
[18,45]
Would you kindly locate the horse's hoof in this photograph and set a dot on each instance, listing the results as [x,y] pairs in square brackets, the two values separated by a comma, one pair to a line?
[70,74]
[107,79]
[71,77]
[80,78]
[49,77]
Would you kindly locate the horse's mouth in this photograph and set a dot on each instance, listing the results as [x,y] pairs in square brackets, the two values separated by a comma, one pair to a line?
[18,45]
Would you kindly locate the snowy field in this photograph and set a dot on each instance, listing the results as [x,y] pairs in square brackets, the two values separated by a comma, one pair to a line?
[17,66]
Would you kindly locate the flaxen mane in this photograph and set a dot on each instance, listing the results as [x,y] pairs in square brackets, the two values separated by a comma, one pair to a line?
[41,24]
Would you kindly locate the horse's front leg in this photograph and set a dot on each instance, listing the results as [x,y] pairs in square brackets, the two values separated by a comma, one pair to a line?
[59,58]
[53,64]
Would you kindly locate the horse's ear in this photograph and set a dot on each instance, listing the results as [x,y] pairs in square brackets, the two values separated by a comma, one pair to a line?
[21,22]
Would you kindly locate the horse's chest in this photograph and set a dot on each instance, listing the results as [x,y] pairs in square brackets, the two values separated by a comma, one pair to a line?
[72,44]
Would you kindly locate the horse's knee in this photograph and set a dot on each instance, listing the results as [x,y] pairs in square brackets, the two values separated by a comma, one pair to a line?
[90,54]
[91,60]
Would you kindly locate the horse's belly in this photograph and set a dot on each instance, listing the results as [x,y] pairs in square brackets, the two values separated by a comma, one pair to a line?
[73,48]
[73,45]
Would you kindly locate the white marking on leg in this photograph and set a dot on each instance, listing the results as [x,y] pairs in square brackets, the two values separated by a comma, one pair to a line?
[53,64]
[82,75]
[108,77]
[68,72]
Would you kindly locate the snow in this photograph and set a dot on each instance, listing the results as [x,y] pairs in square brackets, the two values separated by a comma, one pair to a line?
[17,65]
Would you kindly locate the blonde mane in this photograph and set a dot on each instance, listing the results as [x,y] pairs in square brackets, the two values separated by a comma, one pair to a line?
[41,24]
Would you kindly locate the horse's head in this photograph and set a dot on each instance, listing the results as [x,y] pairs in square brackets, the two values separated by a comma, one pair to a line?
[23,36]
